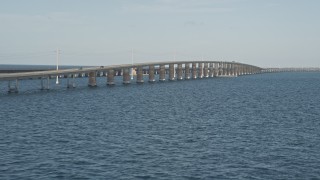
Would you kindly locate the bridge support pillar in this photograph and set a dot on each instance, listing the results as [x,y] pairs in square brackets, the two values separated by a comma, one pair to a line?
[151,73]
[171,72]
[239,70]
[228,69]
[200,70]
[187,71]
[140,75]
[224,69]
[216,69]
[126,76]
[194,70]
[71,84]
[233,69]
[205,70]
[220,69]
[13,88]
[211,70]
[162,75]
[110,77]
[243,71]
[179,72]
[92,81]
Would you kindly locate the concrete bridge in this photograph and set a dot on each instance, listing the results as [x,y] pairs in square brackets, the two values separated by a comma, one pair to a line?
[275,70]
[176,70]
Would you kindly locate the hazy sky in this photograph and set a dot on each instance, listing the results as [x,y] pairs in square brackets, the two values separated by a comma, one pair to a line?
[266,33]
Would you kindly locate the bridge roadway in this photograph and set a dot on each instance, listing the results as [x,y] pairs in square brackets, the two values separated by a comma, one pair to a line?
[198,69]
[275,70]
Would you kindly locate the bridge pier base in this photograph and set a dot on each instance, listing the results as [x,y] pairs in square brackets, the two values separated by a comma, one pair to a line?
[126,76]
[211,70]
[179,72]
[200,70]
[151,74]
[233,70]
[187,71]
[92,81]
[216,69]
[194,71]
[162,75]
[236,70]
[224,69]
[228,69]
[220,69]
[110,77]
[171,72]
[205,70]
[140,75]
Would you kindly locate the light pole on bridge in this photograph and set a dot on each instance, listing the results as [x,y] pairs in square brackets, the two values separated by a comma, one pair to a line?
[58,51]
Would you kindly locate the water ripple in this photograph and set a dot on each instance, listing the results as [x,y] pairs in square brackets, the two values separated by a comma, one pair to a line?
[252,127]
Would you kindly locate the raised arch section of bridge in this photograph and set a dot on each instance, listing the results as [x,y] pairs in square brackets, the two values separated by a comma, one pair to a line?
[171,70]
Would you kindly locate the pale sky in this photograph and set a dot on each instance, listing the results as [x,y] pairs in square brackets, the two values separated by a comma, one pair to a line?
[265,33]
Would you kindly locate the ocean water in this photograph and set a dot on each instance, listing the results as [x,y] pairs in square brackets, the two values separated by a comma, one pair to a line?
[264,126]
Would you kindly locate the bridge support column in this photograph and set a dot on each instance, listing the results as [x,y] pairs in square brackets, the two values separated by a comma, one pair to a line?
[200,72]
[224,69]
[245,70]
[211,70]
[126,76]
[228,69]
[110,77]
[92,81]
[71,84]
[194,70]
[187,71]
[220,69]
[162,75]
[171,72]
[140,75]
[233,69]
[179,72]
[240,68]
[151,73]
[216,69]
[205,70]
[14,88]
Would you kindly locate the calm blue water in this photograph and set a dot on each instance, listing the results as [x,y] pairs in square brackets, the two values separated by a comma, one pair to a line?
[252,127]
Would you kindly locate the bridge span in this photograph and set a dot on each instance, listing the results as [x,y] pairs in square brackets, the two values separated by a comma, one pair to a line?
[176,70]
[276,70]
